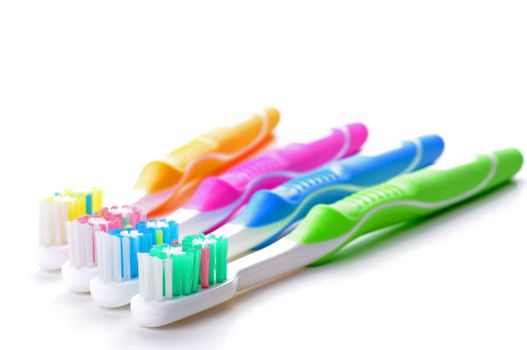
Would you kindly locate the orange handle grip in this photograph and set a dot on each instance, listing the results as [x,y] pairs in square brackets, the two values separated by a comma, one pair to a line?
[207,153]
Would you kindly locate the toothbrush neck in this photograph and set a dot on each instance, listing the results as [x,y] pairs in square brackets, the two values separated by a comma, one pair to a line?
[275,260]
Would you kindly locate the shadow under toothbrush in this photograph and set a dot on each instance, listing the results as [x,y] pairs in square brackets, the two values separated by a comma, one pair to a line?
[363,247]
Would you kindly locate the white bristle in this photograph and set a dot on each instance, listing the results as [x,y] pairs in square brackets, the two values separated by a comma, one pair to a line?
[124,210]
[77,242]
[52,221]
[105,255]
[126,258]
[71,241]
[98,246]
[80,250]
[56,215]
[158,278]
[105,262]
[60,227]
[135,233]
[168,277]
[142,272]
[116,257]
[147,288]
[109,255]
[156,224]
[87,245]
[100,222]
[44,224]
[173,250]
[81,244]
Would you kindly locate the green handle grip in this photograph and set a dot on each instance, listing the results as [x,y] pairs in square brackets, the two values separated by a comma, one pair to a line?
[405,198]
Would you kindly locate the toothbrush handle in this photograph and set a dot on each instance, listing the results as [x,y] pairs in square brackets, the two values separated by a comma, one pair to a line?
[297,196]
[299,157]
[405,198]
[208,152]
[341,143]
[274,167]
[364,171]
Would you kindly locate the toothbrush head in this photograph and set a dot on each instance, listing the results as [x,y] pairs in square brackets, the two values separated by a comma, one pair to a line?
[170,271]
[118,248]
[82,231]
[150,313]
[69,205]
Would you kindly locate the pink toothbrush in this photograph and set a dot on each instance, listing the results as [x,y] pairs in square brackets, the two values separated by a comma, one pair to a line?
[218,198]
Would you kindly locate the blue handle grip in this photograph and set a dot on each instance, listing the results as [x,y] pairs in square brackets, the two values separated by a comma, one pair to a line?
[292,200]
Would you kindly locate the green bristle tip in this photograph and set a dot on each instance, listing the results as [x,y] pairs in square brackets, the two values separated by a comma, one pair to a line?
[186,266]
[176,275]
[188,270]
[159,237]
[221,259]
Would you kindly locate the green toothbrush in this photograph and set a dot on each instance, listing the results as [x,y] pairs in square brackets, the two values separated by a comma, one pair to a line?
[328,228]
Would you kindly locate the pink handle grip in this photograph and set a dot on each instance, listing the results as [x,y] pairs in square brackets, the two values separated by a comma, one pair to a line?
[342,142]
[235,186]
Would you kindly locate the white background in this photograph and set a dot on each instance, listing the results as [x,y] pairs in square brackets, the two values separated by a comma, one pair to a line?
[91,91]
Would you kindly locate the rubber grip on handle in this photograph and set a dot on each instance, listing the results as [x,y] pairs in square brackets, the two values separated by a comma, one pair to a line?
[298,157]
[275,167]
[341,143]
[405,198]
[162,174]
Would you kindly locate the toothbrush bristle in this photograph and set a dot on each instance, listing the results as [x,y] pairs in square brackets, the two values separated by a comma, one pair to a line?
[119,247]
[60,208]
[170,271]
[84,251]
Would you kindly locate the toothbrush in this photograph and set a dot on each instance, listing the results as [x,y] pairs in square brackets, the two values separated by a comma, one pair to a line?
[326,230]
[55,211]
[116,281]
[164,180]
[83,253]
[177,176]
[219,197]
[271,213]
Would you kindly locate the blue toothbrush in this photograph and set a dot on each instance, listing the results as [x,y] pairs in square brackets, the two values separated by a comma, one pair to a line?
[270,213]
